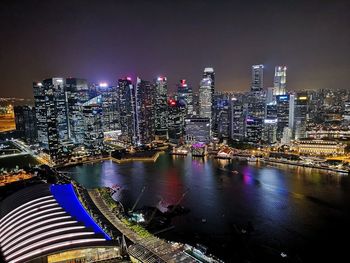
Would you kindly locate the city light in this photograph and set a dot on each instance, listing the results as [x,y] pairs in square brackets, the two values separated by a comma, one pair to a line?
[103,84]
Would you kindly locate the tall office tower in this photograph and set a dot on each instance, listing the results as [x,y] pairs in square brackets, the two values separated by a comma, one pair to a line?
[269,95]
[291,111]
[205,98]
[237,118]
[110,114]
[77,94]
[220,124]
[197,130]
[280,83]
[145,111]
[301,115]
[126,95]
[93,128]
[196,104]
[177,112]
[270,123]
[283,108]
[25,123]
[210,74]
[51,115]
[161,108]
[255,102]
[257,78]
[185,95]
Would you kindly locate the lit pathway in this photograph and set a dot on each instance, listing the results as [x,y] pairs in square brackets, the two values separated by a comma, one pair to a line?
[151,249]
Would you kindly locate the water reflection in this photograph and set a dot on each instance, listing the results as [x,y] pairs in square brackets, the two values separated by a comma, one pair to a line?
[288,205]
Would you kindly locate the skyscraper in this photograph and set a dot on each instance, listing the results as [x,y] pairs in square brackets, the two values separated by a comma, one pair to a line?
[205,98]
[145,111]
[77,94]
[176,120]
[185,95]
[257,78]
[110,114]
[161,108]
[126,107]
[25,123]
[283,107]
[210,74]
[300,115]
[280,83]
[51,115]
[93,128]
[237,118]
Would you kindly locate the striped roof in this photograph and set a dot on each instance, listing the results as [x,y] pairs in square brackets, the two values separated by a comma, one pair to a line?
[45,219]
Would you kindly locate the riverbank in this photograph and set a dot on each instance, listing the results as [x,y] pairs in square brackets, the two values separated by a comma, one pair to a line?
[297,163]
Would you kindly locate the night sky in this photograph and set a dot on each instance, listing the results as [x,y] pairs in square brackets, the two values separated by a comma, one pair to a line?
[104,40]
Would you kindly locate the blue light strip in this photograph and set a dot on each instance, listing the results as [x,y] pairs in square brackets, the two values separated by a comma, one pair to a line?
[66,197]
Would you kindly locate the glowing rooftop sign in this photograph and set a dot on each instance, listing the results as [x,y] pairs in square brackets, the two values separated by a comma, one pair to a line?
[103,85]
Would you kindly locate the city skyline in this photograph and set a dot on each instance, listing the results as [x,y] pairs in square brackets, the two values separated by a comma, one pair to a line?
[88,40]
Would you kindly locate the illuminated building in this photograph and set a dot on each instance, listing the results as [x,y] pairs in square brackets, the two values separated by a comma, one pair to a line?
[77,94]
[287,136]
[51,115]
[205,98]
[25,123]
[145,106]
[93,128]
[110,114]
[270,123]
[220,123]
[300,115]
[126,94]
[177,113]
[237,118]
[161,108]
[255,102]
[254,129]
[257,78]
[185,96]
[280,80]
[47,223]
[319,147]
[197,130]
[282,106]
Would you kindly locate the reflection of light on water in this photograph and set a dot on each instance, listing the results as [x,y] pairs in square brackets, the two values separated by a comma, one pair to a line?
[247,179]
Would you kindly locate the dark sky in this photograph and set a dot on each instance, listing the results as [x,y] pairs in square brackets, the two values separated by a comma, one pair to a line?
[104,40]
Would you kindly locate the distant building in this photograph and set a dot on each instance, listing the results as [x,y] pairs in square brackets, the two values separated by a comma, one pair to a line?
[209,73]
[280,80]
[185,96]
[161,108]
[177,113]
[93,127]
[257,78]
[110,113]
[287,136]
[145,111]
[126,108]
[237,118]
[25,123]
[205,98]
[270,123]
[197,130]
[319,147]
[77,94]
[255,102]
[221,121]
[51,115]
[283,107]
[300,115]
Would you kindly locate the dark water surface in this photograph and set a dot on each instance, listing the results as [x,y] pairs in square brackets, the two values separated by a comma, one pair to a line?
[300,211]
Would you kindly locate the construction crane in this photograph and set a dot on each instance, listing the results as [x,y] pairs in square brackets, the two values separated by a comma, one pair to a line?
[138,199]
[180,199]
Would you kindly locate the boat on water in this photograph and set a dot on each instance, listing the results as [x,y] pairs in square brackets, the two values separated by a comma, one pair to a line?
[235,172]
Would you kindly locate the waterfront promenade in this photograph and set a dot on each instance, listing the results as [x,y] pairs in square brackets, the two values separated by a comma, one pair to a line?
[148,249]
